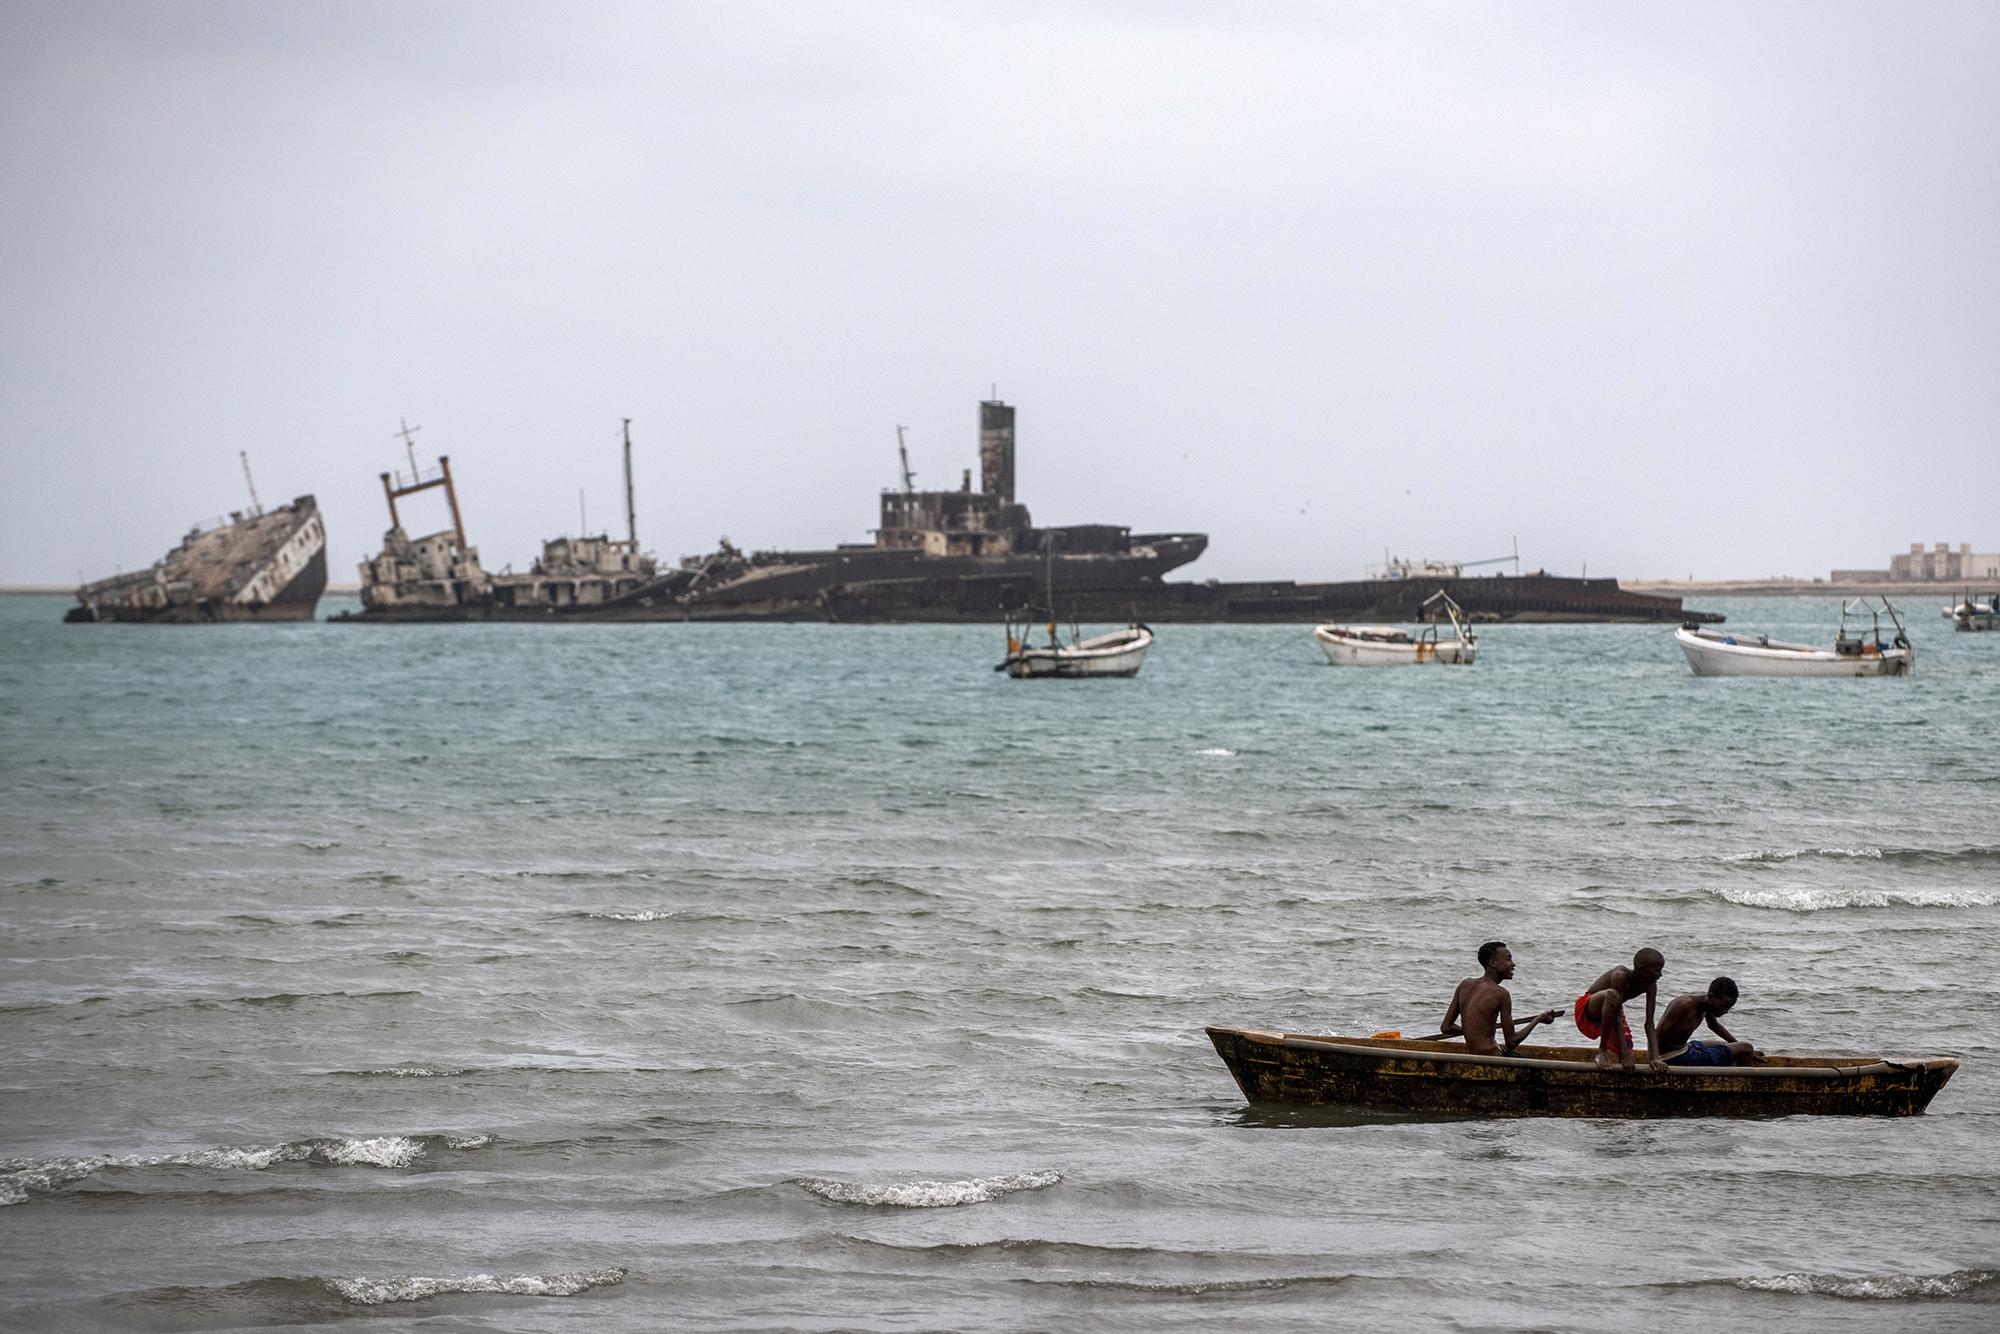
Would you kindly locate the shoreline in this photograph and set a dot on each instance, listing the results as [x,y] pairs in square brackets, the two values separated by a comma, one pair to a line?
[1893,589]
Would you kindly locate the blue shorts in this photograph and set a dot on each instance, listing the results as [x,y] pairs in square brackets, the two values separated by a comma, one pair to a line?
[1704,1053]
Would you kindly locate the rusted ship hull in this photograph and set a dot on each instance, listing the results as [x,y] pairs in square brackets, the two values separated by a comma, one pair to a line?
[299,601]
[268,566]
[1444,1079]
[1520,598]
[1099,595]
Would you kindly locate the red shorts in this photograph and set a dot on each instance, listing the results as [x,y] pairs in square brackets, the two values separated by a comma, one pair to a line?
[1588,1027]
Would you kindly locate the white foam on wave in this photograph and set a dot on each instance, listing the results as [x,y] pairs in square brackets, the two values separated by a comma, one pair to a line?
[928,1194]
[1889,1287]
[379,1151]
[418,1071]
[381,1291]
[1222,751]
[1793,854]
[642,915]
[1821,898]
[21,1176]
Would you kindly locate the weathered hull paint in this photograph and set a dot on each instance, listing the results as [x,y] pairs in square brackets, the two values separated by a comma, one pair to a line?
[1443,1078]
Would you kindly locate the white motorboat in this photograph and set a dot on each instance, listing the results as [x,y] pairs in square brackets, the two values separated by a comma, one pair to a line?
[1715,652]
[1388,646]
[1119,653]
[1971,613]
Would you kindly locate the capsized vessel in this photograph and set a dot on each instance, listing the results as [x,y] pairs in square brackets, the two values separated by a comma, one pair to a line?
[256,565]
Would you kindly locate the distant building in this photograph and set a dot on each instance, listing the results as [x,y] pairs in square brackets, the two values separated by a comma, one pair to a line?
[1939,565]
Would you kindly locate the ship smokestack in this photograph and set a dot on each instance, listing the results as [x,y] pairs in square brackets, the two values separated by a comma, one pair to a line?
[996,451]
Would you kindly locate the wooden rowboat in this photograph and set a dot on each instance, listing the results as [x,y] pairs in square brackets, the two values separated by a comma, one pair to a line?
[1443,1078]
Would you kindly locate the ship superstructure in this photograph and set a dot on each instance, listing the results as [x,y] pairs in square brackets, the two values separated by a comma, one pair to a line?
[439,577]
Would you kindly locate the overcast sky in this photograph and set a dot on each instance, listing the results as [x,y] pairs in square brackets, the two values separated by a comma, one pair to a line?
[1707,289]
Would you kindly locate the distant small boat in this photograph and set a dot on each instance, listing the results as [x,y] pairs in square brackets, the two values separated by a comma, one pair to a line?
[1713,652]
[1971,613]
[1383,646]
[1119,653]
[1444,1078]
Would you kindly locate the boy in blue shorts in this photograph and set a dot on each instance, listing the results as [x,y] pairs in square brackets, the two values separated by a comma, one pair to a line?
[1686,1013]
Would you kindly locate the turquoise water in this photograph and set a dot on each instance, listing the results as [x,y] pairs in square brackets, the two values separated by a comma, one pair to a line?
[820,977]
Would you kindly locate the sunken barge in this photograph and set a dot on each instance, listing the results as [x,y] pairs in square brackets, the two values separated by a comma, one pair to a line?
[960,555]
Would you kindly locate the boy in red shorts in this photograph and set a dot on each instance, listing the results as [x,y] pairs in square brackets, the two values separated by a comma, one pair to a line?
[1600,1011]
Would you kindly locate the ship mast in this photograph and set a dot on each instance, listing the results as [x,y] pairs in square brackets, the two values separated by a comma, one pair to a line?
[902,452]
[256,505]
[631,514]
[409,443]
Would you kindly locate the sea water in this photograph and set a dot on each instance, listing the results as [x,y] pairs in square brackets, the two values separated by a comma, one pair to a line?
[819,977]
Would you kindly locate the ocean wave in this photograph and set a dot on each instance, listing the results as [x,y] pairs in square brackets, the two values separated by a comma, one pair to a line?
[1077,1254]
[1222,752]
[1822,898]
[1191,1287]
[1969,855]
[380,1292]
[22,1177]
[1886,1287]
[410,1072]
[263,1302]
[279,1000]
[927,1194]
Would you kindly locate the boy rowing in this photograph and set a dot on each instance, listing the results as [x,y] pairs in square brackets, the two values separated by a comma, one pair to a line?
[1686,1013]
[1600,1011]
[1481,1004]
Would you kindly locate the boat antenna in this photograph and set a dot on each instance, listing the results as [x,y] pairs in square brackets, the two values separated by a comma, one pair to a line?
[408,443]
[256,505]
[903,453]
[582,524]
[631,514]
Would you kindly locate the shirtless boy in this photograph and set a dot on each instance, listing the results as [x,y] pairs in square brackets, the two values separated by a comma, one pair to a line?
[1600,1011]
[1481,1004]
[1686,1013]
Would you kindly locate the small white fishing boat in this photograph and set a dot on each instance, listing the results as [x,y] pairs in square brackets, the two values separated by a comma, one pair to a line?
[1715,652]
[1119,653]
[1388,646]
[1972,613]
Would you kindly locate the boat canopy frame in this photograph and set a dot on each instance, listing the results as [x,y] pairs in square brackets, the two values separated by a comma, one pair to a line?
[1429,634]
[1858,607]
